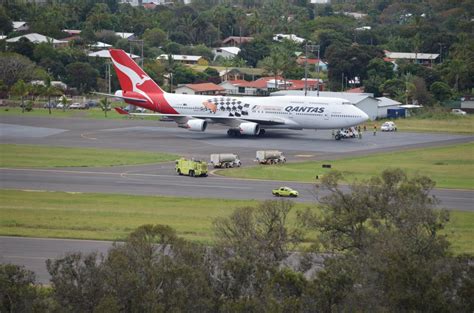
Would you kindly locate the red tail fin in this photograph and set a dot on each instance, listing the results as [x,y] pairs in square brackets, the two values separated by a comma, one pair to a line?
[131,76]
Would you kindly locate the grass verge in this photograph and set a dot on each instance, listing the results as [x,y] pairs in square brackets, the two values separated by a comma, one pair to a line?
[95,113]
[449,166]
[47,156]
[113,217]
[451,124]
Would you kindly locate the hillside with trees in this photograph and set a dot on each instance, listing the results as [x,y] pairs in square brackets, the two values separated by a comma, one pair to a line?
[352,44]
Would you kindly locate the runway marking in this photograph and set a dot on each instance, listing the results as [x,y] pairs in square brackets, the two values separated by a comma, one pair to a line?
[304,155]
[85,136]
[215,176]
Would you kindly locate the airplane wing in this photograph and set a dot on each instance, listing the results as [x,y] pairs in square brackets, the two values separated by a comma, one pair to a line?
[121,97]
[228,120]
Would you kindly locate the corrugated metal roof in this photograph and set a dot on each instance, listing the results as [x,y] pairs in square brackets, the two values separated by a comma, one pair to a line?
[385,102]
[179,57]
[411,56]
[36,38]
[352,97]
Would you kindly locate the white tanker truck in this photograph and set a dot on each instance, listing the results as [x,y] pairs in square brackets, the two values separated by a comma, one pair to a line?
[225,160]
[270,157]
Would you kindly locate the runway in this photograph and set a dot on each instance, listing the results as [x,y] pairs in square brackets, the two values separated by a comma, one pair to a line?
[160,179]
[149,181]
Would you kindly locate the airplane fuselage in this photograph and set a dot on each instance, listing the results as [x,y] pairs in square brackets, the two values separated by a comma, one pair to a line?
[293,112]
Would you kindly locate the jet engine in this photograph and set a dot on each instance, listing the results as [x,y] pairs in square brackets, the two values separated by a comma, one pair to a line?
[249,128]
[196,125]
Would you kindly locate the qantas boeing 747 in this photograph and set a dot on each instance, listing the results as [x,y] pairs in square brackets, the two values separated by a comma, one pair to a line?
[243,115]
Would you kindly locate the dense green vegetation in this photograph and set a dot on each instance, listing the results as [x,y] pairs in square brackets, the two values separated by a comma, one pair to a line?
[353,47]
[385,251]
[449,167]
[40,156]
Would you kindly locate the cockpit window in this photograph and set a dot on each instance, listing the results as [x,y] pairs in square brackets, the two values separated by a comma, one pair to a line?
[346,103]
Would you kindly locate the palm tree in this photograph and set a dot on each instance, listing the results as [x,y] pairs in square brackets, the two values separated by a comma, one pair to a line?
[49,90]
[104,105]
[64,101]
[274,64]
[21,89]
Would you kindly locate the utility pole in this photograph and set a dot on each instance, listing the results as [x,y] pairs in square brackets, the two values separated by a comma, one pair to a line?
[306,49]
[317,71]
[139,41]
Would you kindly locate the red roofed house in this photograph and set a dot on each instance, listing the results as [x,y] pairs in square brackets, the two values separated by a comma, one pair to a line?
[264,85]
[200,89]
[312,62]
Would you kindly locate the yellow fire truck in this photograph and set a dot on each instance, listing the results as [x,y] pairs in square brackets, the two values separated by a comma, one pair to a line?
[193,168]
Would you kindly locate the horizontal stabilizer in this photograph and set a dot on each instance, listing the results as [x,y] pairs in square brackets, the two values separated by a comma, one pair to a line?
[121,111]
[121,97]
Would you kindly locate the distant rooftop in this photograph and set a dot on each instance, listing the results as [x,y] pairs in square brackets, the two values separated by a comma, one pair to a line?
[411,55]
[37,38]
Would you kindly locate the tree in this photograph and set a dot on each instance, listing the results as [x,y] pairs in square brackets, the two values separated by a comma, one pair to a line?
[17,290]
[15,67]
[81,76]
[275,63]
[251,243]
[21,89]
[78,281]
[104,105]
[395,256]
[155,37]
[254,51]
[441,91]
[48,91]
[6,25]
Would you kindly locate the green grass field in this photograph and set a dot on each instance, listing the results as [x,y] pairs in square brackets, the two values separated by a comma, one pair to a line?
[47,156]
[451,124]
[450,167]
[95,113]
[113,217]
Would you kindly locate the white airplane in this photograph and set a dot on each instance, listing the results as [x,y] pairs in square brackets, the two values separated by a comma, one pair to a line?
[243,115]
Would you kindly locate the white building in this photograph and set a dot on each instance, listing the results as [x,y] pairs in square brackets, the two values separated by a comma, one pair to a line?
[20,26]
[124,35]
[292,37]
[226,52]
[38,38]
[364,101]
[186,59]
[385,104]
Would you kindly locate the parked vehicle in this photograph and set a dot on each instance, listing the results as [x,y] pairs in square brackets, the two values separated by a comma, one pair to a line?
[78,106]
[285,192]
[388,127]
[346,133]
[458,112]
[92,103]
[270,157]
[225,160]
[193,168]
[51,105]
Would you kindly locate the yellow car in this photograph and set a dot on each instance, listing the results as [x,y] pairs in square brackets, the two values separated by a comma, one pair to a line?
[285,192]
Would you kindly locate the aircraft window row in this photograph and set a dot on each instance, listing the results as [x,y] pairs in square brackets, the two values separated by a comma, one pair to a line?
[309,114]
[343,115]
[278,112]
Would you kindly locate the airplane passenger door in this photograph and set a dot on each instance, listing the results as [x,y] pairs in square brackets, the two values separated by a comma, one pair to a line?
[326,115]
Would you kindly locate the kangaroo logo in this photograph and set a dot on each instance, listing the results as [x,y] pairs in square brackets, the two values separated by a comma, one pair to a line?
[136,79]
